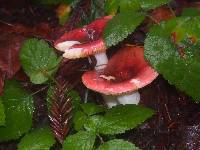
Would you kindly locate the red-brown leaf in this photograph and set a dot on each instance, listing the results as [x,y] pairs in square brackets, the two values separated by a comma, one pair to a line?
[9,53]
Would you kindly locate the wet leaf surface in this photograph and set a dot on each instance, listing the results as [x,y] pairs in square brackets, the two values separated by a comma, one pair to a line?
[176,123]
[175,53]
[18,111]
[174,113]
[9,53]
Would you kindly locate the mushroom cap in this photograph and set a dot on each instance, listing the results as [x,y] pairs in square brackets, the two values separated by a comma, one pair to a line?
[126,71]
[84,41]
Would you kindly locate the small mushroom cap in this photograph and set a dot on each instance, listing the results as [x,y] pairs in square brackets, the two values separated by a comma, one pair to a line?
[126,71]
[85,41]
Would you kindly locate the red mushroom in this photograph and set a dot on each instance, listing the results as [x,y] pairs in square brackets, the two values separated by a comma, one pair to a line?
[85,41]
[126,72]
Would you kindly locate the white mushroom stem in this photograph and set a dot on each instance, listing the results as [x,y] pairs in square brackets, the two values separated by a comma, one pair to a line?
[102,61]
[129,98]
[110,100]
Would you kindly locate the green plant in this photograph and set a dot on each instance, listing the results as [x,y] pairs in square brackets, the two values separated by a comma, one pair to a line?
[173,53]
[89,120]
[93,121]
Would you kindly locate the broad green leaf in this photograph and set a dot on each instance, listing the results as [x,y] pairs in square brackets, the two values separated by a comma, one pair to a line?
[121,26]
[76,100]
[127,5]
[38,139]
[118,144]
[191,12]
[82,140]
[124,117]
[178,61]
[91,108]
[112,6]
[49,96]
[79,120]
[39,61]
[93,122]
[2,114]
[118,119]
[151,4]
[18,110]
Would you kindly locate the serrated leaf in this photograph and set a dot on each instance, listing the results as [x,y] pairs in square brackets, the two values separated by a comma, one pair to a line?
[76,100]
[79,120]
[118,144]
[49,96]
[82,140]
[38,139]
[91,108]
[118,119]
[191,12]
[92,123]
[39,61]
[121,26]
[112,6]
[18,110]
[2,114]
[178,60]
[151,4]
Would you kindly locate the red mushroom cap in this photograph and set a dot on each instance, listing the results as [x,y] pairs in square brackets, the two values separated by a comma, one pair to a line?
[126,71]
[87,40]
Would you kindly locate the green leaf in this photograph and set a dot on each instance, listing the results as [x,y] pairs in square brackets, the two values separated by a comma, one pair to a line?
[49,95]
[82,140]
[18,110]
[93,122]
[76,100]
[121,26]
[91,108]
[151,4]
[39,61]
[2,114]
[79,120]
[118,119]
[191,12]
[180,66]
[38,139]
[112,6]
[118,144]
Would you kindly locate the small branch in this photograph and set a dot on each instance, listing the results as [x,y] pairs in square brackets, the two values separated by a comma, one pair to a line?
[172,11]
[6,23]
[42,89]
